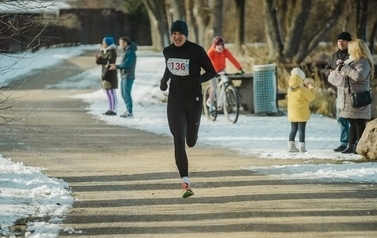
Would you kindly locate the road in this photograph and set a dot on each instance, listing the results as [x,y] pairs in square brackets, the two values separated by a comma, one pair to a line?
[126,184]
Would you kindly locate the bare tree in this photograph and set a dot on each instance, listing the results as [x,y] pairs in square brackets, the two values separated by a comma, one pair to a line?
[240,25]
[217,19]
[158,21]
[22,23]
[116,4]
[175,10]
[372,36]
[285,28]
[202,18]
[372,24]
[361,18]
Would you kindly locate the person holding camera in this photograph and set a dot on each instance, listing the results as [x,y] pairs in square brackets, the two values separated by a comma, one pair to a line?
[337,58]
[105,58]
[358,71]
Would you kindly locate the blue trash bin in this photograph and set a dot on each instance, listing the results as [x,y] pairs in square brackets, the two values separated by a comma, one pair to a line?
[265,89]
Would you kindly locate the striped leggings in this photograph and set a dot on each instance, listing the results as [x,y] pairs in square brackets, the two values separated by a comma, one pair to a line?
[112,99]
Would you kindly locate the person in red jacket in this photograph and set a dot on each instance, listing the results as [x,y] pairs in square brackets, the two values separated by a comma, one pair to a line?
[218,54]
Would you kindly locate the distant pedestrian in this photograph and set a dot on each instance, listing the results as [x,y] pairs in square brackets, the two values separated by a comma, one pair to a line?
[127,72]
[184,63]
[106,57]
[337,58]
[299,95]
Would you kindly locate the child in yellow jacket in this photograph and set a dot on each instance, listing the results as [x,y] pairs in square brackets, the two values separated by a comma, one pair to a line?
[299,95]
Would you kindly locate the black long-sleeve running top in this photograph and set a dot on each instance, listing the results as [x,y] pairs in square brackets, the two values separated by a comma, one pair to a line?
[183,67]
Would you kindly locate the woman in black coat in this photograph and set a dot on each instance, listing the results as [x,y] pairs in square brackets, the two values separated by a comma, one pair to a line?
[109,78]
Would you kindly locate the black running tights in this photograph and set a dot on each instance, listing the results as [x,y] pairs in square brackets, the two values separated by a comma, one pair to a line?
[184,121]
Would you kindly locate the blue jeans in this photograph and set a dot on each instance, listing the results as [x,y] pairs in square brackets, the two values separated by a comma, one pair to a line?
[126,87]
[344,130]
[300,127]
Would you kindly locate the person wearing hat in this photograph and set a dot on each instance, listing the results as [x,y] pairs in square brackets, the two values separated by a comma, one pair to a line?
[298,96]
[109,78]
[185,61]
[358,71]
[336,59]
[218,55]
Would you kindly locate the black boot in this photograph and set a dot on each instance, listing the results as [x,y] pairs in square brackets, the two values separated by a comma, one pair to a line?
[350,149]
[340,148]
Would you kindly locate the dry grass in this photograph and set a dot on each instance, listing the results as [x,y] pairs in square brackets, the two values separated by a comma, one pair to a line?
[324,102]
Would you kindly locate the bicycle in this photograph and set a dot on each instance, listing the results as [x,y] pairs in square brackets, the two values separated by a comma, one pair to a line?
[226,100]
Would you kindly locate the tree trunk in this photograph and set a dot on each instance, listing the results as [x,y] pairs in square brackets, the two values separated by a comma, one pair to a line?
[217,18]
[307,47]
[296,27]
[174,11]
[372,35]
[361,18]
[201,14]
[274,41]
[240,26]
[295,47]
[214,26]
[157,19]
[193,29]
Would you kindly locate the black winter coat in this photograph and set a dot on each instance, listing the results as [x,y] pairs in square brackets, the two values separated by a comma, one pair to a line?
[108,56]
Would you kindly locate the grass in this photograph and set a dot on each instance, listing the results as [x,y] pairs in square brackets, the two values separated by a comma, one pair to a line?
[324,102]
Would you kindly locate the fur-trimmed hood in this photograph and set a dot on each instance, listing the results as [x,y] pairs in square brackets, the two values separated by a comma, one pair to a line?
[110,47]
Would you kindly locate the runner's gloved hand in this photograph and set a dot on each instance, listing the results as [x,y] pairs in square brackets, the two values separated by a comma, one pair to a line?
[164,84]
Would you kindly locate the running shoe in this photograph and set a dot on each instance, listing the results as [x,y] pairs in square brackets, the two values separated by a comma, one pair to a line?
[127,114]
[187,192]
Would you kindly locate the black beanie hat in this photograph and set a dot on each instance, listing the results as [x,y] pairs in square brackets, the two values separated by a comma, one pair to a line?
[179,26]
[345,36]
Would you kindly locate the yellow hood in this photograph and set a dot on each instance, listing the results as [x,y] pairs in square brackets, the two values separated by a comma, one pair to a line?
[295,81]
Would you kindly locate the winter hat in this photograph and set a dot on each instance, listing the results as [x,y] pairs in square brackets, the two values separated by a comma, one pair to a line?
[179,26]
[108,40]
[345,36]
[299,72]
[218,40]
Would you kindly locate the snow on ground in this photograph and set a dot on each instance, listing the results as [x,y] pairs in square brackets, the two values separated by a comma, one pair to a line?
[26,191]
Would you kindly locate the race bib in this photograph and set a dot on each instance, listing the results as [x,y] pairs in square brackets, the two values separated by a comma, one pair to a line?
[179,67]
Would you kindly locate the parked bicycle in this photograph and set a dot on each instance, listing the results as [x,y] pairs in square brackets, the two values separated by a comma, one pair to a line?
[226,100]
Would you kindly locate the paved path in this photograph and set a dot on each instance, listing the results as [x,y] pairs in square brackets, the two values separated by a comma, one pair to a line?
[126,183]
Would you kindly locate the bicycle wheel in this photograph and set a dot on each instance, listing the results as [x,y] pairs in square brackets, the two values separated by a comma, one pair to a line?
[210,114]
[231,104]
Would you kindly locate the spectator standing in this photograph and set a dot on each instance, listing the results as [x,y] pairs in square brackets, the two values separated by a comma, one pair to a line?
[127,72]
[106,57]
[337,58]
[359,70]
[184,63]
[299,95]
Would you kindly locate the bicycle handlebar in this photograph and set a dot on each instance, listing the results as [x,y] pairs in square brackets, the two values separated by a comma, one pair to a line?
[226,74]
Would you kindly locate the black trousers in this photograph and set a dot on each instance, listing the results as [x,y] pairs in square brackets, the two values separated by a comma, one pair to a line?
[184,122]
[357,127]
[300,127]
